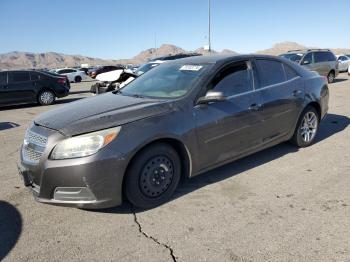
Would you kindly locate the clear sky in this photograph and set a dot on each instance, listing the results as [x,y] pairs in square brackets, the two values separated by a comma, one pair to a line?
[121,29]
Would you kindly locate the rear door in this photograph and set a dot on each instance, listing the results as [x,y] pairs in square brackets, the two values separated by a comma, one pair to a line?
[282,93]
[227,129]
[323,65]
[20,87]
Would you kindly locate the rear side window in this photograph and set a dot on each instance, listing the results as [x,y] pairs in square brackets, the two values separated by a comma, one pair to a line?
[3,78]
[331,56]
[270,72]
[20,76]
[320,57]
[290,73]
[65,71]
[233,80]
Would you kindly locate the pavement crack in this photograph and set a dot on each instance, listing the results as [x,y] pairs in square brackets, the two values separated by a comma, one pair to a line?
[151,237]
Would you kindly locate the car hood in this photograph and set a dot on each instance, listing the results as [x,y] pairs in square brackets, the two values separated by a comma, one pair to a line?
[100,112]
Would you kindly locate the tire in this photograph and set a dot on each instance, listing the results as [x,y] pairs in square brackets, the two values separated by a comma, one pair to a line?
[153,176]
[77,79]
[331,77]
[307,128]
[46,97]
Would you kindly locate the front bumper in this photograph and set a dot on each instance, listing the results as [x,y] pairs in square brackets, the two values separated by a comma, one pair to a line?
[89,182]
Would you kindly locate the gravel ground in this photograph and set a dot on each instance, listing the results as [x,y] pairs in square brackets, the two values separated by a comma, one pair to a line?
[282,204]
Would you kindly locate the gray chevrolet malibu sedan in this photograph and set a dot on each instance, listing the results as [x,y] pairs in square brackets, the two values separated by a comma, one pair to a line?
[178,120]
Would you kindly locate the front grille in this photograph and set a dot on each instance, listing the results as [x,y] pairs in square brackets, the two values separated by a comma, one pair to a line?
[33,147]
[31,155]
[36,139]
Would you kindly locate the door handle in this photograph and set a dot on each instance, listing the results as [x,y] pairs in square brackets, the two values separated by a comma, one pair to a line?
[255,107]
[297,92]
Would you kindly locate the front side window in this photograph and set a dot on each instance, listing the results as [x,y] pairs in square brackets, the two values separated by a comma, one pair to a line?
[20,77]
[308,59]
[232,80]
[166,81]
[270,72]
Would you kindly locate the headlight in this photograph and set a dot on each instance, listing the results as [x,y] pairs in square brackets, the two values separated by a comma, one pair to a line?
[84,145]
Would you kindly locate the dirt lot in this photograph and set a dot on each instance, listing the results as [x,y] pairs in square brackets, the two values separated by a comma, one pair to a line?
[282,204]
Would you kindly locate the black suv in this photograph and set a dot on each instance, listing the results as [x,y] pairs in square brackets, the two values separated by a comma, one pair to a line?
[322,61]
[29,86]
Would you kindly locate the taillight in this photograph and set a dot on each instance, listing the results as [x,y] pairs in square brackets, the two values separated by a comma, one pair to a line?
[61,81]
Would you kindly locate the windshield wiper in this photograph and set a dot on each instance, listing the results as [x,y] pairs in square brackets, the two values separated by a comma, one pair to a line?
[137,96]
[118,91]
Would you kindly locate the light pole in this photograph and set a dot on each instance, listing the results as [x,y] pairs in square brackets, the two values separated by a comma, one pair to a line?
[209,41]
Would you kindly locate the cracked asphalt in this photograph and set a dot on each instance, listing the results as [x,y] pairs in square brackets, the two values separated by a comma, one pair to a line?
[282,204]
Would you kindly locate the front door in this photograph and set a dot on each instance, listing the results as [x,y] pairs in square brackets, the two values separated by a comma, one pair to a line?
[227,129]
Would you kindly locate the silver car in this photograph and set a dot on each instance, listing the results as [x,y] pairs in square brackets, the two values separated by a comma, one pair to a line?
[344,62]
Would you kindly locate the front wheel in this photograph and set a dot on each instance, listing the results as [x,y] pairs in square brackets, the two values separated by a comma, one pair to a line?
[46,97]
[153,176]
[307,128]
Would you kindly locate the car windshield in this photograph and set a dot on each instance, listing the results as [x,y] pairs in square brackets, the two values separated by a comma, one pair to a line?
[166,81]
[293,57]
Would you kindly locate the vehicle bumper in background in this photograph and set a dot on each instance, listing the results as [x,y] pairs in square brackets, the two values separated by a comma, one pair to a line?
[63,93]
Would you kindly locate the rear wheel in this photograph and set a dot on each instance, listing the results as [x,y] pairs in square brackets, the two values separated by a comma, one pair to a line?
[307,128]
[331,77]
[153,176]
[77,79]
[46,97]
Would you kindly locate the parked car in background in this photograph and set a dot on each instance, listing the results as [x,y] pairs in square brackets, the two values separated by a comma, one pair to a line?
[29,86]
[174,57]
[344,63]
[103,69]
[73,75]
[148,66]
[180,119]
[160,60]
[112,80]
[322,61]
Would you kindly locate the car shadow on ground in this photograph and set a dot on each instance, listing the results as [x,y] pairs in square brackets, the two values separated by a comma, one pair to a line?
[338,80]
[10,228]
[8,125]
[331,125]
[31,105]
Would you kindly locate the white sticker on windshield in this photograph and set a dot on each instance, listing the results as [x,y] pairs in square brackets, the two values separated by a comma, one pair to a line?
[191,67]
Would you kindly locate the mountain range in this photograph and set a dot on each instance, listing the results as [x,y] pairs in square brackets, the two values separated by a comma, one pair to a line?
[21,60]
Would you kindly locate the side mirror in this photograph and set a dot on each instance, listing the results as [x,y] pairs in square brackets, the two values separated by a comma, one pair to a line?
[212,96]
[306,62]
